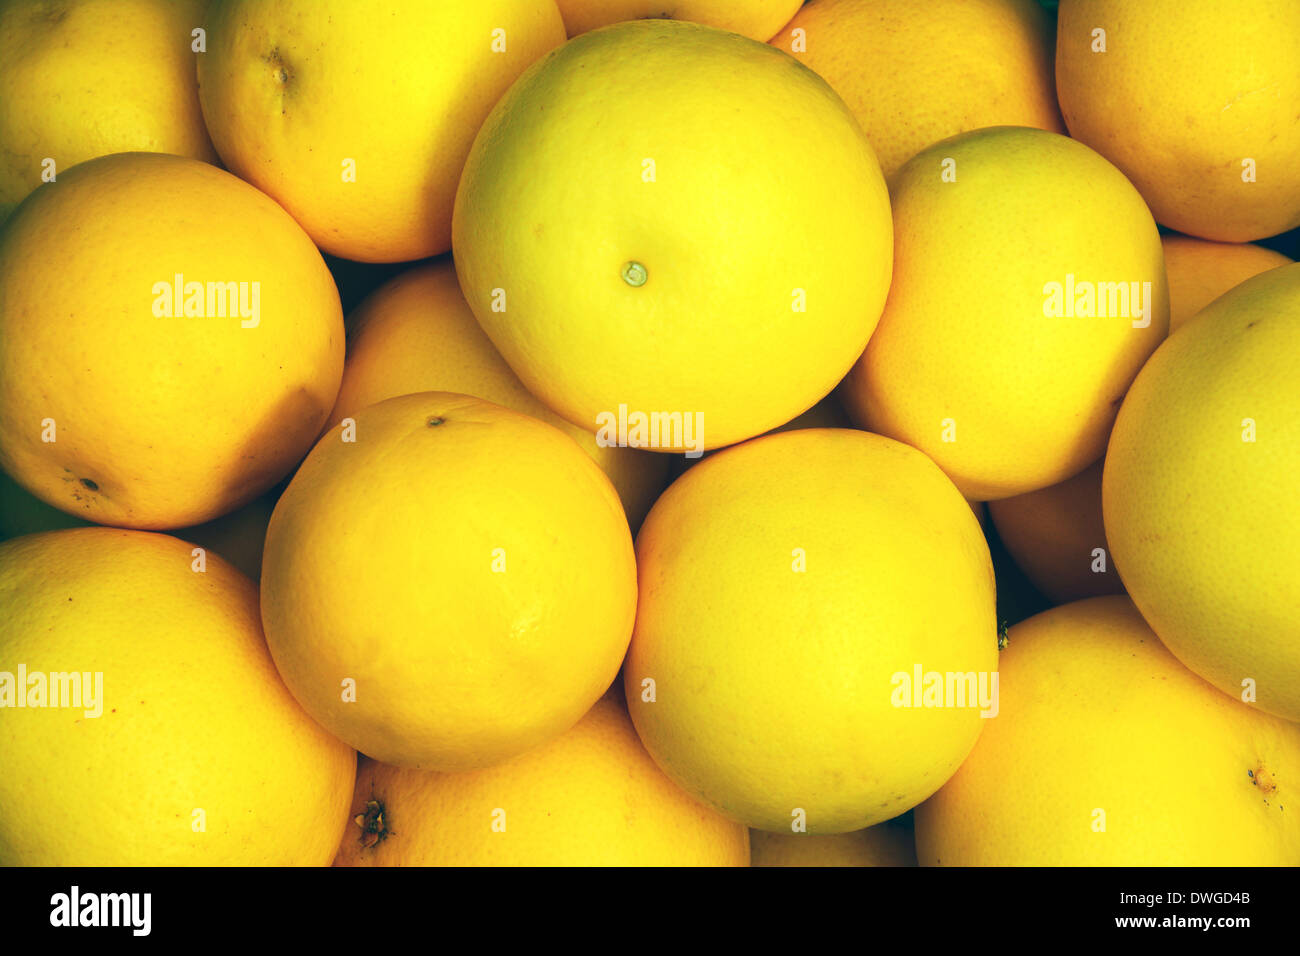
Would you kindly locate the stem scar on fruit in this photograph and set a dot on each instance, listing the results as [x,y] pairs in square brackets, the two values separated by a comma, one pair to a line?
[634,274]
[435,422]
[1263,780]
[372,824]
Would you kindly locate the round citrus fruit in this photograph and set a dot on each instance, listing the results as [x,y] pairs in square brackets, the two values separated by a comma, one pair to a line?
[1108,752]
[915,73]
[591,797]
[447,583]
[1056,536]
[93,77]
[1008,340]
[1213,87]
[358,120]
[640,233]
[798,593]
[1200,271]
[170,342]
[756,19]
[416,334]
[144,722]
[1198,492]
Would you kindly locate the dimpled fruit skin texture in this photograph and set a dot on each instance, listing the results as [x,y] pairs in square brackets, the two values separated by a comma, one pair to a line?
[765,196]
[415,333]
[1185,91]
[474,577]
[175,420]
[772,687]
[915,73]
[591,797]
[1198,518]
[1097,717]
[89,78]
[194,715]
[964,342]
[292,89]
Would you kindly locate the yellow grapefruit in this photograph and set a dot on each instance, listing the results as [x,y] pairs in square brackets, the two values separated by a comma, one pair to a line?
[173,742]
[637,228]
[1008,340]
[1108,752]
[789,589]
[85,78]
[447,583]
[1198,492]
[1212,86]
[170,342]
[591,797]
[357,120]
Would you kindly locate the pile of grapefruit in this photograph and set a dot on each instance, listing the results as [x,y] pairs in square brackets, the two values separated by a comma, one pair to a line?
[535,432]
